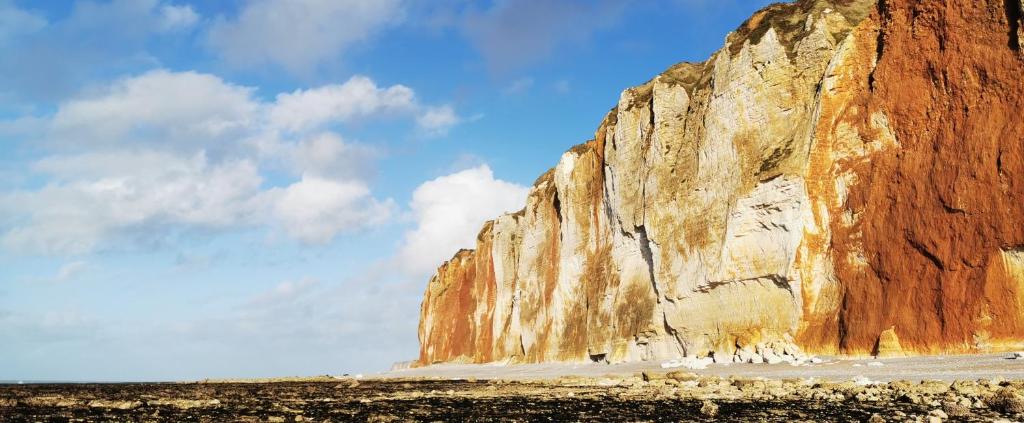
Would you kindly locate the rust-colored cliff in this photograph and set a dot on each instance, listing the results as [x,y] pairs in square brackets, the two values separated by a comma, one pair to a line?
[843,176]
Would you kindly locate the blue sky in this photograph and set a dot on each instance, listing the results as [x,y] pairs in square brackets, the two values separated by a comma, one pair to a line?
[263,187]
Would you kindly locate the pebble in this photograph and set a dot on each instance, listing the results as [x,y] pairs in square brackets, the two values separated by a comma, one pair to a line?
[709,409]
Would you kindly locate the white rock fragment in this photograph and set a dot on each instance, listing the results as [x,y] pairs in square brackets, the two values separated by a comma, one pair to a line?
[876,364]
[770,357]
[689,363]
[863,381]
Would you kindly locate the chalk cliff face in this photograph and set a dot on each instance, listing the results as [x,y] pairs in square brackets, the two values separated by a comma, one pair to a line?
[842,177]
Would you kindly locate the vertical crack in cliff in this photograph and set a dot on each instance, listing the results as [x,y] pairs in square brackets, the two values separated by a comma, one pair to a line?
[883,10]
[556,204]
[648,253]
[1014,16]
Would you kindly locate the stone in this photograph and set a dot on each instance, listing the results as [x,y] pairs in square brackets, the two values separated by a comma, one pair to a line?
[689,363]
[115,405]
[863,381]
[1007,401]
[185,404]
[709,409]
[649,376]
[683,376]
[889,344]
[771,358]
[956,409]
[746,355]
[842,182]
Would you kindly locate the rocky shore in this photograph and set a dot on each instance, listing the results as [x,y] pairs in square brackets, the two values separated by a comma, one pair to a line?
[648,396]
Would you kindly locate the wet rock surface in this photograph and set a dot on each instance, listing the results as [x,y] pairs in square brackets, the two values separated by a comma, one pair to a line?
[667,397]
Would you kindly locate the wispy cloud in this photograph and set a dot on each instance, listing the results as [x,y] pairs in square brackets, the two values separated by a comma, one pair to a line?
[71,270]
[518,86]
[562,86]
[177,18]
[512,34]
[93,39]
[298,35]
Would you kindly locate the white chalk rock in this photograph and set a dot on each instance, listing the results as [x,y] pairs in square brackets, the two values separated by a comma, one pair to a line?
[771,358]
[863,381]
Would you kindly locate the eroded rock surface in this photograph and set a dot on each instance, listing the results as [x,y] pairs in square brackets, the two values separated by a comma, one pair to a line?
[841,177]
[668,397]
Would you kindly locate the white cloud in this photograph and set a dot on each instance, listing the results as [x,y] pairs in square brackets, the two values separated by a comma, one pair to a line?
[315,210]
[70,271]
[283,292]
[102,200]
[328,155]
[99,199]
[173,18]
[299,34]
[150,156]
[189,109]
[357,98]
[519,86]
[438,120]
[185,108]
[450,211]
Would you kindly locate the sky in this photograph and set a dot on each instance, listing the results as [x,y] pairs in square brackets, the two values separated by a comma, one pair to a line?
[254,188]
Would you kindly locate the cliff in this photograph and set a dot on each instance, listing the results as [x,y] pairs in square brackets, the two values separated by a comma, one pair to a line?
[842,177]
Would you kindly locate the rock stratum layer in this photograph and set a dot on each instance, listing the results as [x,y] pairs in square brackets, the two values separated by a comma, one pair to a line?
[843,177]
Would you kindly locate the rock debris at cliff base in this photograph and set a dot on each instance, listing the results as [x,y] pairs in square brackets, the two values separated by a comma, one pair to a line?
[663,397]
[842,177]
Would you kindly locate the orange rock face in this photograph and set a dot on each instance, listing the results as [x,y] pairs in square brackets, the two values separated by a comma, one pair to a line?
[844,176]
[942,215]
